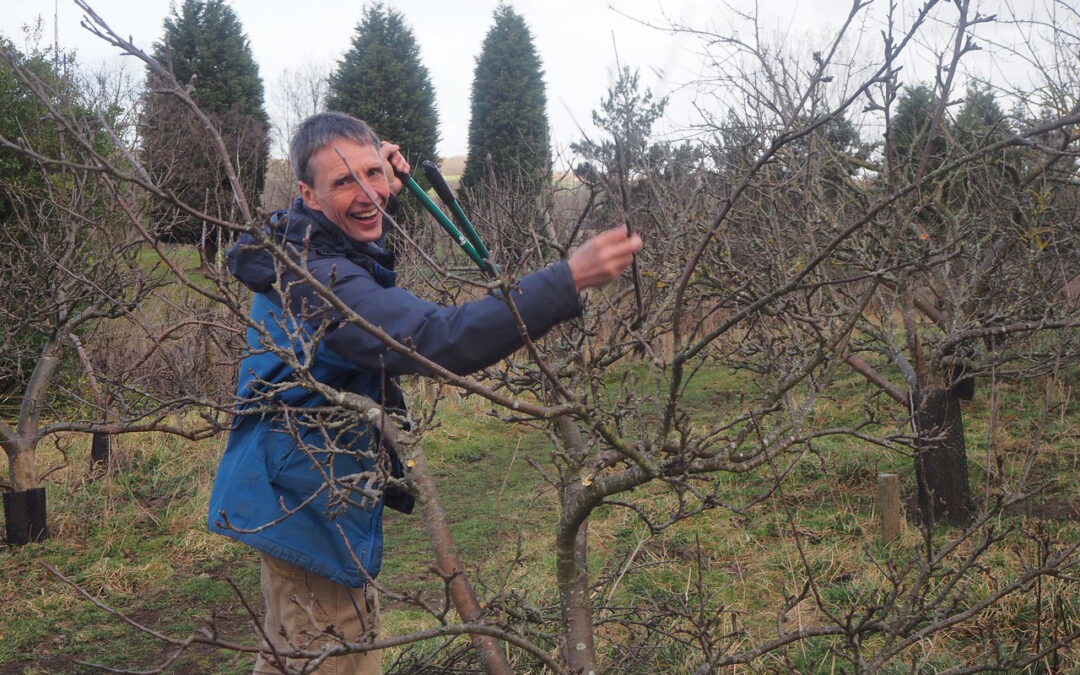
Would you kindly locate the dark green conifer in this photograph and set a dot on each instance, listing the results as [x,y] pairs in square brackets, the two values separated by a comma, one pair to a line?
[910,128]
[382,81]
[508,131]
[205,48]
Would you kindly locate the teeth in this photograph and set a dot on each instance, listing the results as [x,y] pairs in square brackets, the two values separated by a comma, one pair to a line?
[366,214]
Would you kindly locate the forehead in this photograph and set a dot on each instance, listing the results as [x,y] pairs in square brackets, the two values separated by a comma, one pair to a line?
[328,163]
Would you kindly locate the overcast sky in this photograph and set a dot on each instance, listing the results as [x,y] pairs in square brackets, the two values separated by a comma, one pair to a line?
[578,42]
[576,39]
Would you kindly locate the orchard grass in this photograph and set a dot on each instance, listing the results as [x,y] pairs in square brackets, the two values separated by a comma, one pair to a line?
[136,539]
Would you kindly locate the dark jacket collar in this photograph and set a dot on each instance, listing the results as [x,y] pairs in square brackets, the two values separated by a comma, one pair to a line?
[299,228]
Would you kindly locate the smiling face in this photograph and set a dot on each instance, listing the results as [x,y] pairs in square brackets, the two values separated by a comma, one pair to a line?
[338,195]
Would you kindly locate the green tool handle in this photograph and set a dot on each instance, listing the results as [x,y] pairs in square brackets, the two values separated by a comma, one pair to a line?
[435,177]
[435,211]
[477,243]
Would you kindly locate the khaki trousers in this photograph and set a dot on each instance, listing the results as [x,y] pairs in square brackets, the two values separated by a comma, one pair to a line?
[308,612]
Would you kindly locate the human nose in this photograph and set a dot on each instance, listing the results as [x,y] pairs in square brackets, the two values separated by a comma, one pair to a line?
[366,192]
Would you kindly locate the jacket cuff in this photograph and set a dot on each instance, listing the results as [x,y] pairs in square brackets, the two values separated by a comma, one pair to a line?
[548,297]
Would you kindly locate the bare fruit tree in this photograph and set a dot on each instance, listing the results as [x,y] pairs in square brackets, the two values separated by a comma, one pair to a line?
[75,280]
[793,250]
[298,93]
[808,232]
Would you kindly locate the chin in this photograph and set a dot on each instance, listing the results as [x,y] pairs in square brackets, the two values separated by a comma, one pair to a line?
[361,232]
[367,235]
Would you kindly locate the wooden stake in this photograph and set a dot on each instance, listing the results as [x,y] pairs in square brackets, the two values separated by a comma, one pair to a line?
[889,506]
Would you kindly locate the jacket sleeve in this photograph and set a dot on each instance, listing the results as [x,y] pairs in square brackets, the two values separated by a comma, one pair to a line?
[462,339]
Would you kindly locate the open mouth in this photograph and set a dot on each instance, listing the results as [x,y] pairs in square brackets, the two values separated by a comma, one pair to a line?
[365,215]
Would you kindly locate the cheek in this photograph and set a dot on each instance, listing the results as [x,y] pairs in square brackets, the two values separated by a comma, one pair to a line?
[344,196]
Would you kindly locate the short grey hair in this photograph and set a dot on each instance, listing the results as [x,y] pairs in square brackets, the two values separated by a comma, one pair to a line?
[318,131]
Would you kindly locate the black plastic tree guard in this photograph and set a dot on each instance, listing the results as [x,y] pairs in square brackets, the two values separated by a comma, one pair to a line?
[24,516]
[99,450]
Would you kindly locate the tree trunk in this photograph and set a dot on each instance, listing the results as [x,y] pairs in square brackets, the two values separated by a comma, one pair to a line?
[446,558]
[941,459]
[573,578]
[23,474]
[24,507]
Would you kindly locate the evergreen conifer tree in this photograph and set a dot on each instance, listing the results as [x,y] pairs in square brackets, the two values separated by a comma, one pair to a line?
[626,117]
[910,128]
[508,131]
[205,47]
[382,81]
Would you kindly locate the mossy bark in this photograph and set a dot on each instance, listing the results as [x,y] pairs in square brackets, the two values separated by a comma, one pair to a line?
[572,576]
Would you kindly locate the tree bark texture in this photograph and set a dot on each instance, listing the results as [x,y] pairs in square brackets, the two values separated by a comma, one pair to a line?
[21,464]
[573,578]
[941,459]
[461,592]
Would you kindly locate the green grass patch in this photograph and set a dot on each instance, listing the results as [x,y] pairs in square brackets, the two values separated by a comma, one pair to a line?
[137,540]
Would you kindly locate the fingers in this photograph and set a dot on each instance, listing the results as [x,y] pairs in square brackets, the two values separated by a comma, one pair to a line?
[395,161]
[620,242]
[387,149]
[603,258]
[616,248]
[391,154]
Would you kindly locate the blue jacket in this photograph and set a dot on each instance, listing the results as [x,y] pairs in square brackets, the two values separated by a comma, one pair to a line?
[263,492]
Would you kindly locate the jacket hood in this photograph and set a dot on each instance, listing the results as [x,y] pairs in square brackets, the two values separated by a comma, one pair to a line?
[296,229]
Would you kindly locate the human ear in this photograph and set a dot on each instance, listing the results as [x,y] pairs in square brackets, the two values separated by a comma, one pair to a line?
[308,194]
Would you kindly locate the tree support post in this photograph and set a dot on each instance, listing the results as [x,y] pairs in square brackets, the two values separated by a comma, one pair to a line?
[889,506]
